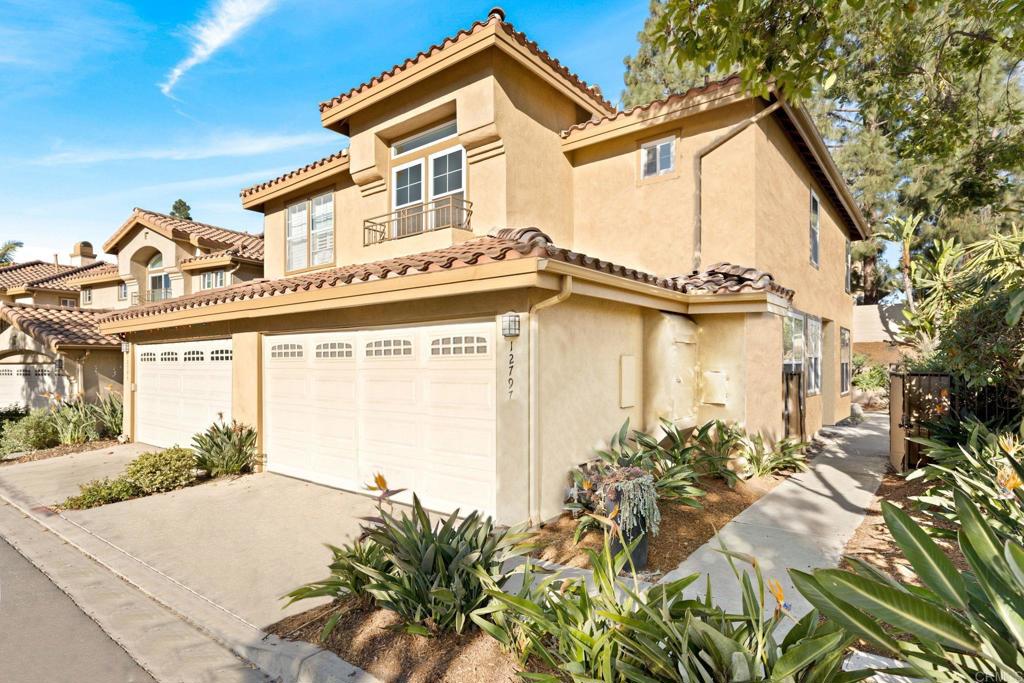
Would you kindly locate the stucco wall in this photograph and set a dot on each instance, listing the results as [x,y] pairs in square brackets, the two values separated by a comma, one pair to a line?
[581,344]
[783,248]
[105,296]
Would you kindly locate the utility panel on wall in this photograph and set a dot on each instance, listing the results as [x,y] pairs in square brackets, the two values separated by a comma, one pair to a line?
[715,388]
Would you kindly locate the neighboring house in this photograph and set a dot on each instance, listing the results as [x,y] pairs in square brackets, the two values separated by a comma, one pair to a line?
[48,346]
[501,269]
[876,332]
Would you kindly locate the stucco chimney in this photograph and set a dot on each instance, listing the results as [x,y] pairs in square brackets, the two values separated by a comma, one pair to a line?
[82,254]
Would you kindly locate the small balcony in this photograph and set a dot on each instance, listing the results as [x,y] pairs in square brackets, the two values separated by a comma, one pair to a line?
[151,295]
[448,212]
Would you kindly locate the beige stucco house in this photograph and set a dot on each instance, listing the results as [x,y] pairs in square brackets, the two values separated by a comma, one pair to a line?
[500,268]
[50,347]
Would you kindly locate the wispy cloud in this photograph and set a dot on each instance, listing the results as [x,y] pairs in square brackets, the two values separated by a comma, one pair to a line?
[211,147]
[222,22]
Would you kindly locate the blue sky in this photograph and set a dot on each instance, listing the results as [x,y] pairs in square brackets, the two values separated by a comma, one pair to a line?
[108,105]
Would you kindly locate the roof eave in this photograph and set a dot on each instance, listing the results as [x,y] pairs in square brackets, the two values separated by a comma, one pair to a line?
[205,264]
[256,200]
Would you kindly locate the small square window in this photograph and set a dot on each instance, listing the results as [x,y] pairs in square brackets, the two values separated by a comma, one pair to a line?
[657,157]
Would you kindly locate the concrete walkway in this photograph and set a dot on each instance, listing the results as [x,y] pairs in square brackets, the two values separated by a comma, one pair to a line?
[805,522]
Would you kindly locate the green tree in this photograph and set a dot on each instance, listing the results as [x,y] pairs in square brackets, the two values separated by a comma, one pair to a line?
[7,250]
[181,209]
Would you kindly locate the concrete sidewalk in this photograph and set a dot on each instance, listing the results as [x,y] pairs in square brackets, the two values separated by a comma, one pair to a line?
[805,522]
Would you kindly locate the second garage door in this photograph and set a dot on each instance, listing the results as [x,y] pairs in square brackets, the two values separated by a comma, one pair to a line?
[181,388]
[417,404]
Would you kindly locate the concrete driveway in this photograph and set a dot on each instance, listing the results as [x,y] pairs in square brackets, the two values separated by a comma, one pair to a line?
[242,543]
[51,481]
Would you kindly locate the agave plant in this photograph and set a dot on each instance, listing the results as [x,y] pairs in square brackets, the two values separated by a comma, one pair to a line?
[716,443]
[765,457]
[615,631]
[956,627]
[109,414]
[75,422]
[225,449]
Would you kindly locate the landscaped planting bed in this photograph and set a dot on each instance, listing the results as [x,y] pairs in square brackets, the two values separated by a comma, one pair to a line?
[57,451]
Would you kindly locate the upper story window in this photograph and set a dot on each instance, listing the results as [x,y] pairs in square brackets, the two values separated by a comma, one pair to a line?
[86,296]
[159,283]
[69,303]
[425,138]
[814,227]
[311,232]
[213,279]
[657,157]
[793,342]
[155,263]
[122,291]
[813,352]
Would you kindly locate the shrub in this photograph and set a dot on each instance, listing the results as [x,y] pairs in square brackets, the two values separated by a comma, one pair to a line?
[11,412]
[109,415]
[101,492]
[432,575]
[613,631]
[225,449]
[765,457]
[955,627]
[158,472]
[33,432]
[75,422]
[868,375]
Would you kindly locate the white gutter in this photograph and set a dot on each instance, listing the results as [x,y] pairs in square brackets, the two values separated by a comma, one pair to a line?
[533,475]
[698,164]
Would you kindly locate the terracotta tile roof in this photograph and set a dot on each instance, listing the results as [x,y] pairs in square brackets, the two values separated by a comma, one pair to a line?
[100,269]
[502,245]
[179,228]
[243,252]
[23,274]
[65,281]
[292,174]
[497,17]
[59,327]
[696,91]
[726,278]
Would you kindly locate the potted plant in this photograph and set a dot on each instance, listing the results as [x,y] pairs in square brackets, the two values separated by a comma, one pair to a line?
[622,498]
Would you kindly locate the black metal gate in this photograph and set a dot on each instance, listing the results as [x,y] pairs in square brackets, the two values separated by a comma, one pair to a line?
[793,405]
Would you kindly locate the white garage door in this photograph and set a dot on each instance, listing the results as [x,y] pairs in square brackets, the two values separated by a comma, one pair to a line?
[417,404]
[181,389]
[28,384]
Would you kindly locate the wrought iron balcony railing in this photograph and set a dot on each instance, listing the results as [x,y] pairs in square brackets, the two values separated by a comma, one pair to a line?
[151,295]
[447,212]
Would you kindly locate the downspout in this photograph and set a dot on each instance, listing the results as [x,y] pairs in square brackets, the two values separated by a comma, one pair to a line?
[534,445]
[697,166]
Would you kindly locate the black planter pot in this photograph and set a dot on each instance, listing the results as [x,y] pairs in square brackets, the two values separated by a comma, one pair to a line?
[639,553]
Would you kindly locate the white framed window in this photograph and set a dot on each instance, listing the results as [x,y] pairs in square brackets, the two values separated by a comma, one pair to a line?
[446,172]
[793,342]
[213,279]
[334,350]
[657,157]
[407,185]
[443,131]
[220,354]
[813,354]
[86,295]
[815,231]
[169,357]
[194,356]
[845,361]
[297,237]
[388,348]
[458,346]
[286,351]
[147,357]
[68,303]
[309,228]
[849,266]
[122,291]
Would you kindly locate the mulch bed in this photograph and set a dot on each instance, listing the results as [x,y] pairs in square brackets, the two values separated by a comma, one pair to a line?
[58,451]
[683,529]
[366,637]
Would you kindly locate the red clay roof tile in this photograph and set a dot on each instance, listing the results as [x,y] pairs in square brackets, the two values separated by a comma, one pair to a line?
[58,327]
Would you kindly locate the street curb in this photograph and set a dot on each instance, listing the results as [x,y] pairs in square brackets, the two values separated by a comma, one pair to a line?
[280,660]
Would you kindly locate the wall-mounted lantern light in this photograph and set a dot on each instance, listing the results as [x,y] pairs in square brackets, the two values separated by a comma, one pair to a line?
[58,364]
[125,347]
[510,324]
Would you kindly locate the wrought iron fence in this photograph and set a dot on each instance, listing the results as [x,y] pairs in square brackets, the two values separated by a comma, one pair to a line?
[448,212]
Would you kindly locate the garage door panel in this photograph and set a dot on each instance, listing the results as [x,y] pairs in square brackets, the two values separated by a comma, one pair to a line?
[176,398]
[393,404]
